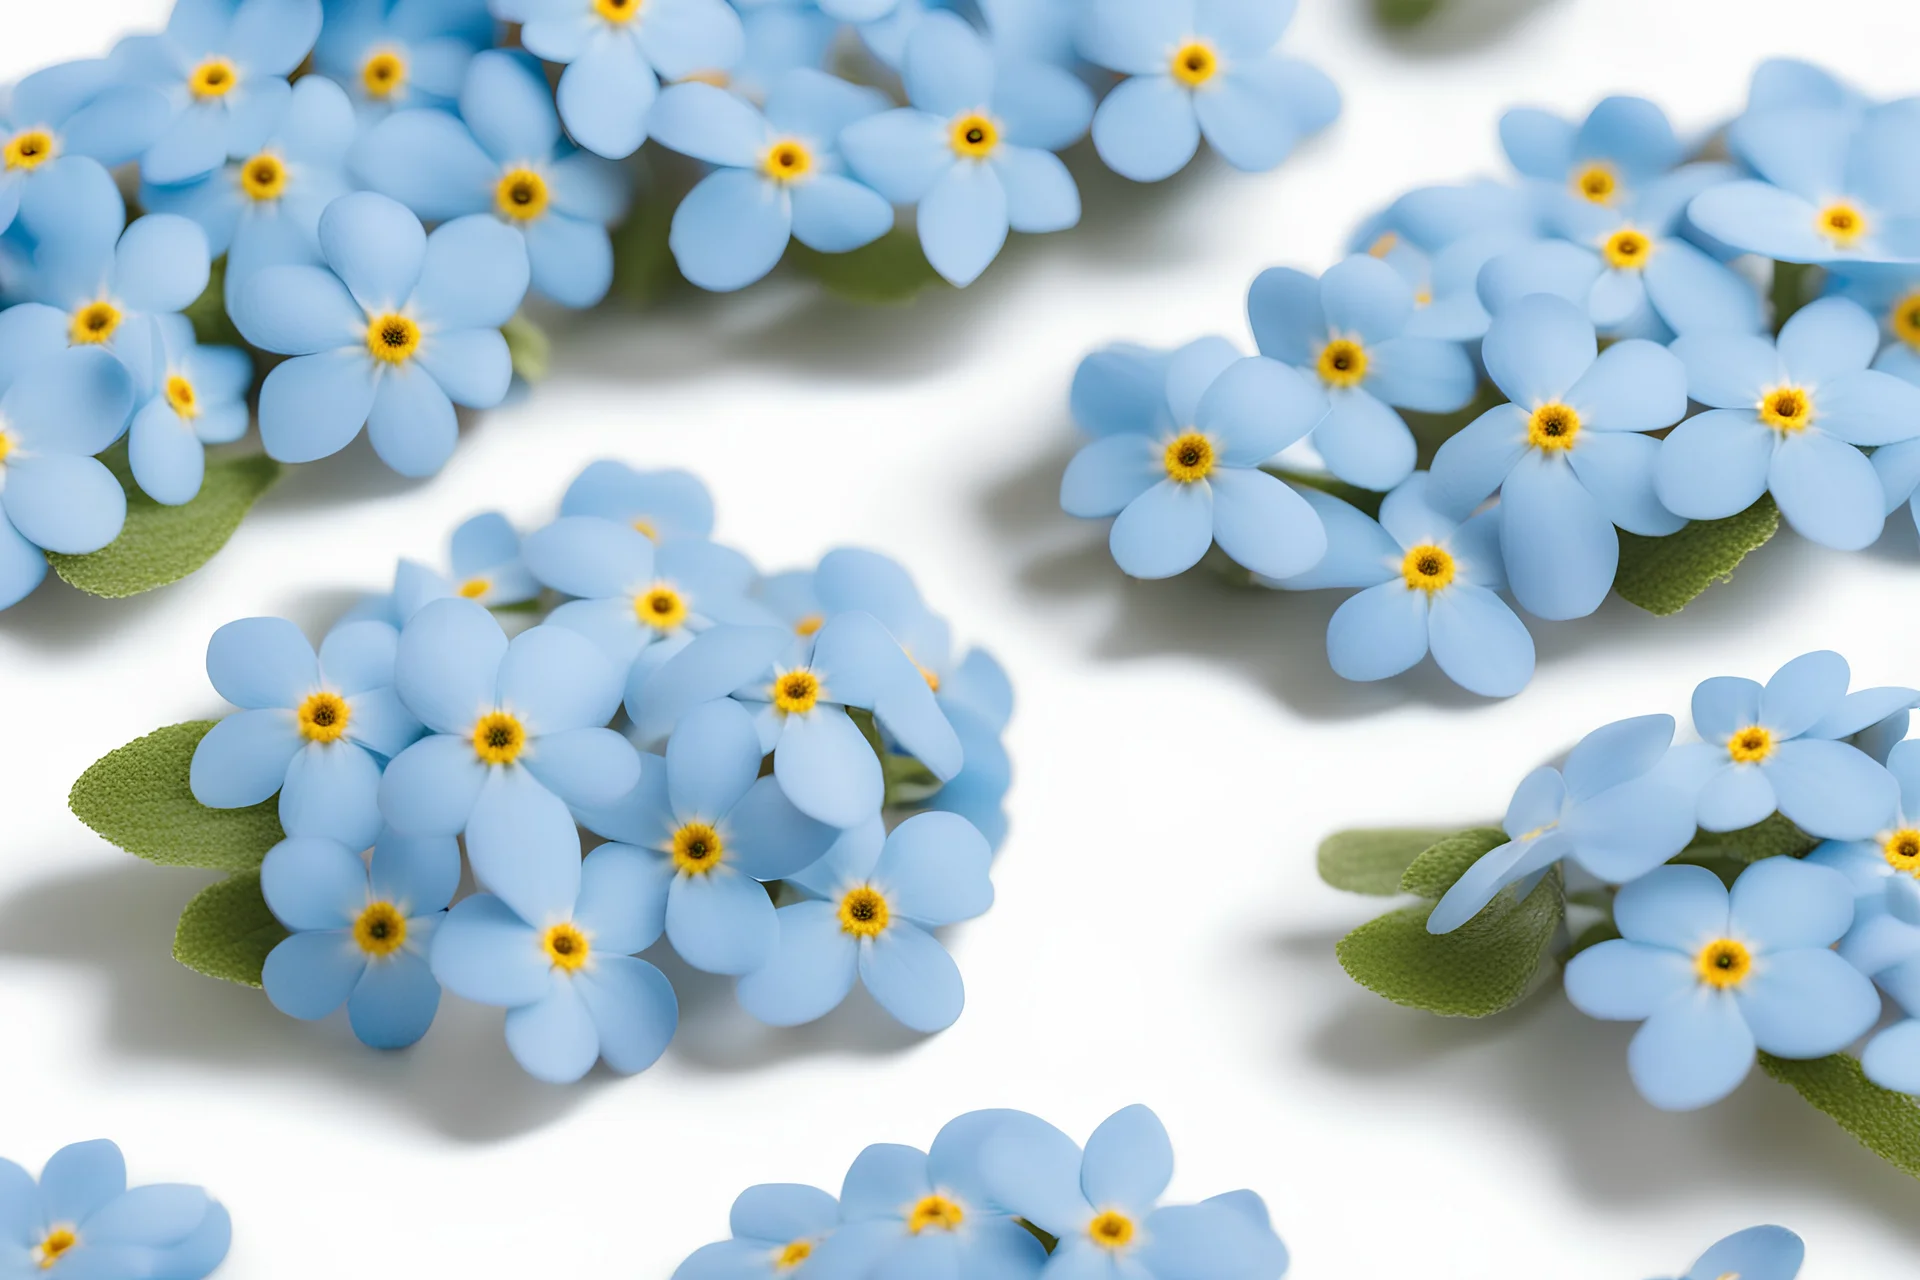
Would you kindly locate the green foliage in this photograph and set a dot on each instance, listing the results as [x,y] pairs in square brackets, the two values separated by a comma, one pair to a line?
[1372,859]
[1661,575]
[208,312]
[908,781]
[1883,1121]
[891,269]
[137,797]
[162,544]
[1047,1242]
[530,347]
[643,267]
[227,931]
[1774,836]
[1795,284]
[1487,965]
[1405,13]
[1435,870]
[1351,494]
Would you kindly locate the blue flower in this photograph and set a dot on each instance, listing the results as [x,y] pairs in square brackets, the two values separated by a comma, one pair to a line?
[503,155]
[974,151]
[1430,583]
[1758,1253]
[1103,1204]
[360,931]
[395,54]
[519,733]
[223,68]
[710,830]
[616,53]
[1787,421]
[1610,159]
[1195,68]
[54,494]
[1713,975]
[777,1227]
[661,504]
[200,398]
[779,175]
[1177,461]
[779,36]
[1879,867]
[397,327]
[1445,279]
[562,964]
[69,115]
[82,1218]
[1892,1058]
[1789,82]
[909,1212]
[69,208]
[486,568]
[1349,328]
[316,729]
[871,902]
[1611,808]
[1569,455]
[1834,186]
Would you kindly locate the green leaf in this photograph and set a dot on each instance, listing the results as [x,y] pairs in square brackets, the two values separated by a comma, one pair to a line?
[1774,836]
[1435,870]
[227,931]
[1486,965]
[208,312]
[1351,494]
[1795,284]
[1883,1121]
[137,797]
[1405,13]
[1047,1242]
[164,544]
[1372,859]
[891,269]
[1661,575]
[530,347]
[643,268]
[908,781]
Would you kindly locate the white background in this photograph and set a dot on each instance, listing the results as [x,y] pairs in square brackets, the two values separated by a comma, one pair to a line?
[1161,935]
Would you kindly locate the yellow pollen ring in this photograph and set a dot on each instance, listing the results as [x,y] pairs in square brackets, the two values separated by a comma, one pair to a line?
[392,338]
[1427,567]
[54,1246]
[935,1212]
[1751,745]
[498,738]
[864,912]
[1627,249]
[566,947]
[94,324]
[1386,244]
[661,608]
[381,930]
[1787,409]
[473,588]
[1342,363]
[698,848]
[383,74]
[974,136]
[1723,963]
[29,149]
[645,528]
[1111,1230]
[1841,222]
[6,446]
[617,11]
[264,177]
[788,160]
[214,78]
[323,717]
[1904,320]
[793,1255]
[1597,183]
[181,397]
[1553,427]
[1902,850]
[1188,458]
[809,625]
[795,692]
[521,195]
[1194,63]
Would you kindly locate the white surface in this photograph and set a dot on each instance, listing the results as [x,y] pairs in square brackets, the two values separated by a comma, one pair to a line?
[1161,936]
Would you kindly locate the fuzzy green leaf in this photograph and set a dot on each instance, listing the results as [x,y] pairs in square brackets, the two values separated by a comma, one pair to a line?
[212,327]
[137,797]
[163,544]
[643,268]
[1883,1121]
[891,269]
[1774,836]
[530,348]
[227,931]
[1435,870]
[1405,13]
[1486,965]
[1372,859]
[1661,575]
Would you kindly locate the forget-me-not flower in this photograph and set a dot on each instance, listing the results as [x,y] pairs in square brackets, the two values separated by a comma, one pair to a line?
[1609,159]
[1200,68]
[975,149]
[1878,866]
[360,931]
[1758,1253]
[1181,437]
[778,36]
[390,334]
[661,504]
[81,1219]
[777,1227]
[200,398]
[484,563]
[1445,278]
[67,115]
[396,54]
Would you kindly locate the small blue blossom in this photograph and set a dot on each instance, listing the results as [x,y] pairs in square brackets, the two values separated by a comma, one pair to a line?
[1444,280]
[1181,437]
[1789,420]
[1892,1058]
[974,150]
[70,115]
[1569,455]
[389,335]
[485,566]
[81,1219]
[661,504]
[1879,866]
[315,728]
[871,902]
[779,175]
[562,963]
[1780,83]
[396,54]
[1200,68]
[779,36]
[360,931]
[1349,329]
[504,155]
[1609,159]
[776,1227]
[1713,975]
[199,398]
[1758,1253]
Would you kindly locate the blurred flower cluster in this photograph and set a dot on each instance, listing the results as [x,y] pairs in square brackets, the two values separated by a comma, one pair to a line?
[79,1218]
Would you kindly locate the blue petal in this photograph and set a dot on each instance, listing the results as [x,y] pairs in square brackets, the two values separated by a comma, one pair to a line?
[556,680]
[833,214]
[1479,643]
[1265,525]
[722,921]
[430,788]
[811,971]
[149,1216]
[417,873]
[447,665]
[949,68]
[411,424]
[1616,753]
[1378,633]
[934,869]
[429,162]
[1560,549]
[1677,908]
[913,978]
[1634,385]
[1366,299]
[1128,1161]
[634,1010]
[555,1039]
[1736,797]
[1691,1053]
[505,100]
[1165,531]
[1808,1004]
[684,38]
[1538,348]
[964,221]
[1617,468]
[1040,192]
[1538,143]
[606,96]
[1728,370]
[1694,293]
[473,274]
[1869,408]
[1192,370]
[1832,790]
[902,154]
[523,846]
[623,898]
[243,759]
[1209,1239]
[1108,474]
[1713,465]
[731,229]
[309,975]
[1758,1253]
[1892,1061]
[827,769]
[1827,491]
[1803,691]
[63,503]
[769,838]
[718,662]
[167,459]
[79,1180]
[1034,1170]
[484,952]
[1623,981]
[1245,117]
[376,245]
[590,557]
[1283,305]
[312,407]
[713,757]
[783,1211]
[395,1002]
[1359,552]
[332,790]
[298,310]
[1255,408]
[1784,903]
[1040,106]
[1761,219]
[261,662]
[1364,442]
[160,264]
[1424,374]
[1473,463]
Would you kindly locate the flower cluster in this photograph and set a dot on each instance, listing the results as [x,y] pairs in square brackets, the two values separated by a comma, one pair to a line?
[1617,371]
[81,1217]
[748,749]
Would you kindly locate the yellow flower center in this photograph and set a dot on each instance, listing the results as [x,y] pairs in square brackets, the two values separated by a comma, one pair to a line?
[1787,409]
[795,692]
[1427,567]
[793,1255]
[94,324]
[787,161]
[1553,427]
[661,608]
[30,149]
[57,1243]
[1902,850]
[521,195]
[617,11]
[1386,244]
[931,676]
[264,177]
[1195,63]
[392,338]
[1188,458]
[214,78]
[974,136]
[1751,745]
[566,946]
[1111,1230]
[1597,182]
[697,848]
[864,913]
[809,625]
[381,930]
[1723,963]
[384,74]
[6,446]
[181,397]
[644,527]
[472,588]
[323,717]
[498,738]
[1904,320]
[1842,223]
[1627,249]
[936,1212]
[1343,363]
